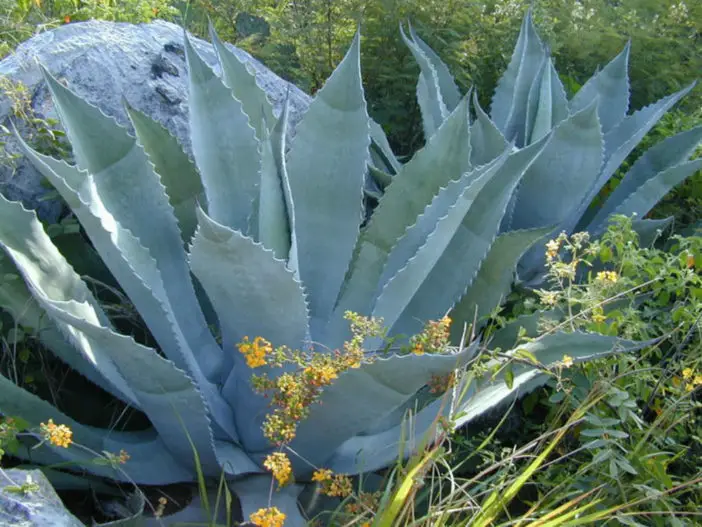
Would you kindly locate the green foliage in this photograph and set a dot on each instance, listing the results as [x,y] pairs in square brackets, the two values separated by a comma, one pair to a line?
[20,19]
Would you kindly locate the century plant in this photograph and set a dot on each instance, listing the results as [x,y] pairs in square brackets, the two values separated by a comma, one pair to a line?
[274,239]
[590,136]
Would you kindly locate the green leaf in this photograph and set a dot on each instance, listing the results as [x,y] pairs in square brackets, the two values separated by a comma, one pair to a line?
[555,184]
[326,167]
[177,172]
[135,268]
[644,198]
[416,235]
[432,282]
[450,94]
[444,158]
[382,146]
[431,102]
[547,103]
[366,453]
[272,228]
[128,189]
[254,295]
[549,350]
[242,81]
[610,87]
[509,103]
[48,274]
[174,405]
[224,145]
[150,461]
[494,279]
[486,141]
[621,140]
[378,387]
[650,230]
[668,153]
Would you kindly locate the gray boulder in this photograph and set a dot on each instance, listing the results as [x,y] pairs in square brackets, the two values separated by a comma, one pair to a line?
[104,62]
[33,502]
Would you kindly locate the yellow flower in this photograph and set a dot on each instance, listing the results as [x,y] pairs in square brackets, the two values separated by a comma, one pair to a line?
[270,517]
[567,361]
[338,487]
[552,248]
[256,351]
[687,373]
[320,375]
[279,464]
[598,318]
[59,435]
[607,277]
[322,475]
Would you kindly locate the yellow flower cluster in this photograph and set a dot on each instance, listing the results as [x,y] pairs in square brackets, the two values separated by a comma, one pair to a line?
[607,277]
[567,361]
[269,517]
[552,248]
[59,435]
[256,351]
[441,383]
[279,464]
[334,485]
[433,339]
[692,380]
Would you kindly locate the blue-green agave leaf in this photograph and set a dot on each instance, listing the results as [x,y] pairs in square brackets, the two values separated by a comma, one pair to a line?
[178,173]
[131,192]
[49,275]
[382,147]
[270,213]
[610,87]
[555,184]
[363,395]
[486,141]
[150,463]
[494,279]
[547,103]
[450,94]
[368,453]
[326,167]
[16,299]
[224,145]
[548,350]
[128,260]
[242,82]
[174,404]
[416,235]
[644,198]
[429,97]
[622,139]
[509,102]
[444,158]
[650,230]
[431,282]
[664,155]
[506,337]
[254,295]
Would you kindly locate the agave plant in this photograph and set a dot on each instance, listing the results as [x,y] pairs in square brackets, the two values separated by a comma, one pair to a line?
[273,238]
[591,135]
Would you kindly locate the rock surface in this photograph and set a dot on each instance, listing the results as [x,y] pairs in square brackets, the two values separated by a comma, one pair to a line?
[105,62]
[37,506]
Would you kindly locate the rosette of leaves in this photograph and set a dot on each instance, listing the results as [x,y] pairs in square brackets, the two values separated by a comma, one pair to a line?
[590,137]
[273,236]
